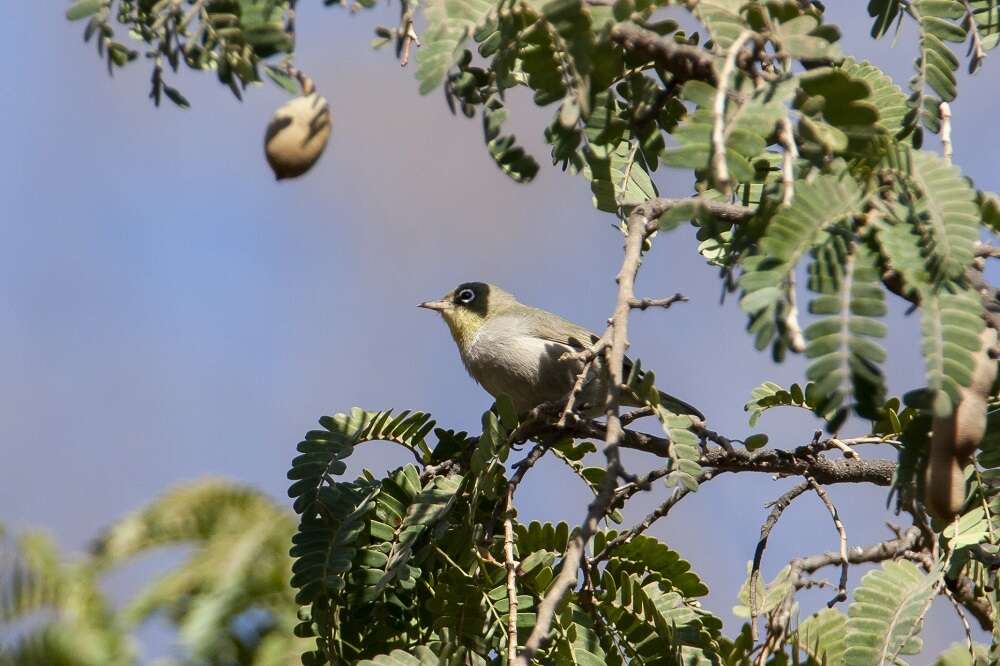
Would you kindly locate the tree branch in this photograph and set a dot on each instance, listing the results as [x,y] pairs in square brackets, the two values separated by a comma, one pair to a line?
[638,224]
[724,212]
[779,505]
[879,552]
[682,61]
[511,565]
[844,565]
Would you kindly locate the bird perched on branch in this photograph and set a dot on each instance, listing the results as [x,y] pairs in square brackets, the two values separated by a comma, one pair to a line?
[529,354]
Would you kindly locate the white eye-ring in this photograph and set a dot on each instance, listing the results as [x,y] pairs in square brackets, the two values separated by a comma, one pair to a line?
[466,296]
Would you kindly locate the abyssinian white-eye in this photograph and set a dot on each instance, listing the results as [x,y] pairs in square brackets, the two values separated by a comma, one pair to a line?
[515,349]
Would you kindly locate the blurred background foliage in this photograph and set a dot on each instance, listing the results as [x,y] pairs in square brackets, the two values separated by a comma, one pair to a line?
[228,596]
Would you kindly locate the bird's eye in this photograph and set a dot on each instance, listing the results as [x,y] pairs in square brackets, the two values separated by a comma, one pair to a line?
[466,296]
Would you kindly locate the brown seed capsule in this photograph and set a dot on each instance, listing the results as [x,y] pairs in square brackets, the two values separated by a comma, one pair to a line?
[297,135]
[954,439]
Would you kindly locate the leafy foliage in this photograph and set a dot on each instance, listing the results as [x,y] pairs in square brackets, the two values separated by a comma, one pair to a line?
[890,604]
[231,37]
[412,551]
[845,359]
[817,206]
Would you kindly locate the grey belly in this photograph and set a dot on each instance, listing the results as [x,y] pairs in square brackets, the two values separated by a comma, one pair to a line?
[530,370]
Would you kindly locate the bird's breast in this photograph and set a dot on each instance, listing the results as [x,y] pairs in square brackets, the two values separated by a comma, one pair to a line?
[528,369]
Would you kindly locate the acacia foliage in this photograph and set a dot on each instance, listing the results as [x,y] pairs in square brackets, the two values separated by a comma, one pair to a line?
[825,156]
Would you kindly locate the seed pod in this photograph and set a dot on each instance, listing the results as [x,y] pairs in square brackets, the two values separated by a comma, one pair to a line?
[954,439]
[297,135]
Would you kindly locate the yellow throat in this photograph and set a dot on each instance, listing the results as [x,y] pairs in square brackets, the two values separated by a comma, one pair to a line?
[464,324]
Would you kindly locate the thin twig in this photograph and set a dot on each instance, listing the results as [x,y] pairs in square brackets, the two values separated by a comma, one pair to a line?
[842,445]
[779,505]
[844,564]
[986,250]
[790,154]
[679,493]
[796,340]
[645,303]
[963,619]
[511,565]
[719,166]
[636,414]
[946,131]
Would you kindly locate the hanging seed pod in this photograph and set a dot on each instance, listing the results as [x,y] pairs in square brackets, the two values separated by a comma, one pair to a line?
[297,134]
[954,439]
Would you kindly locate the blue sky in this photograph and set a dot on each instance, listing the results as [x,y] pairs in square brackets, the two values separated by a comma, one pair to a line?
[171,312]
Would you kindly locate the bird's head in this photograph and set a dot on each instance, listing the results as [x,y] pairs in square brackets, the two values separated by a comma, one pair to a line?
[468,306]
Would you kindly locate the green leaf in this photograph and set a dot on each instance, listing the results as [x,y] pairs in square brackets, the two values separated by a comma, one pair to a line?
[886,616]
[823,636]
[950,326]
[789,234]
[958,655]
[449,24]
[176,97]
[769,395]
[845,360]
[946,212]
[510,157]
[750,120]
[81,9]
[282,79]
[885,96]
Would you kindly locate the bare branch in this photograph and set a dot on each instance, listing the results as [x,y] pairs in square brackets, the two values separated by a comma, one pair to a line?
[879,552]
[791,153]
[842,445]
[986,250]
[842,586]
[946,148]
[796,340]
[724,212]
[963,619]
[719,166]
[511,565]
[684,62]
[645,303]
[779,505]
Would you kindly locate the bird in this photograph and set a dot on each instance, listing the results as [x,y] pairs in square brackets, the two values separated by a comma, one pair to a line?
[521,351]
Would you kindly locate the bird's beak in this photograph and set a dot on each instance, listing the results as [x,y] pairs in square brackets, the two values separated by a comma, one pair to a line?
[435,305]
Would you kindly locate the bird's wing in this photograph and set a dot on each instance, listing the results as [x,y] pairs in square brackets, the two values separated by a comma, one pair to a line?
[547,326]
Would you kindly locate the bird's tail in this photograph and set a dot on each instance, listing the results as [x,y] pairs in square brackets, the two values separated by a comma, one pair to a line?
[678,406]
